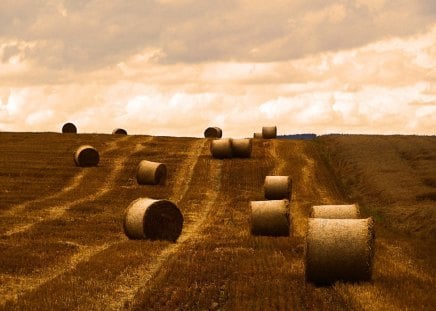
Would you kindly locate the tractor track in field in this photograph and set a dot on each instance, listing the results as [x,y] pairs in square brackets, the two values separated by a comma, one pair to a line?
[70,187]
[12,288]
[124,290]
[128,284]
[56,211]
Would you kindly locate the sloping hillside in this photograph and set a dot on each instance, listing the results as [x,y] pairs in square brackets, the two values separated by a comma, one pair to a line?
[62,244]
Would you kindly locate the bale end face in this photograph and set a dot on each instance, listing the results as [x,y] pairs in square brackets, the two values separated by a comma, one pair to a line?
[270,218]
[213,132]
[221,148]
[151,173]
[147,218]
[86,156]
[278,187]
[69,128]
[339,250]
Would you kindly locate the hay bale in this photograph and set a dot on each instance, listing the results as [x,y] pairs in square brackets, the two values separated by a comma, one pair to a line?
[86,155]
[221,148]
[213,132]
[269,132]
[119,131]
[270,218]
[241,148]
[69,128]
[257,135]
[343,211]
[147,218]
[277,187]
[339,249]
[151,173]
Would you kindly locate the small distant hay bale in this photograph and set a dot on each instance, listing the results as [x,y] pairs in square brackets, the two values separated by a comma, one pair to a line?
[269,132]
[119,131]
[86,155]
[241,148]
[221,148]
[151,173]
[271,218]
[147,218]
[257,135]
[277,187]
[344,211]
[213,132]
[69,128]
[339,249]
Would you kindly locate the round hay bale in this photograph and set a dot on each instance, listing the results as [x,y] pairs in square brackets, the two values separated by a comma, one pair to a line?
[269,132]
[344,211]
[277,187]
[213,132]
[257,135]
[147,218]
[221,148]
[270,218]
[119,131]
[339,249]
[69,128]
[151,173]
[86,155]
[241,148]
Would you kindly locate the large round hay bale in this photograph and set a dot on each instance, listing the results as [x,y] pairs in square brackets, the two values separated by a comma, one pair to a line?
[69,128]
[257,135]
[269,132]
[147,218]
[241,148]
[151,173]
[277,187]
[86,155]
[344,211]
[270,218]
[119,131]
[221,148]
[339,249]
[213,132]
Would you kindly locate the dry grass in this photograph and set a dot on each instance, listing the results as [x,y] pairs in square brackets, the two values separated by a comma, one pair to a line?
[82,260]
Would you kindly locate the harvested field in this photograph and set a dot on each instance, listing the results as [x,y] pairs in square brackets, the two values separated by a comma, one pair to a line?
[62,244]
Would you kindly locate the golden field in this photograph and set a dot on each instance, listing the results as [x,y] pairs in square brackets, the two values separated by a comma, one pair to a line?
[62,245]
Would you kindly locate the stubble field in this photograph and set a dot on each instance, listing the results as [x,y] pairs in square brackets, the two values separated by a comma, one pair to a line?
[62,246]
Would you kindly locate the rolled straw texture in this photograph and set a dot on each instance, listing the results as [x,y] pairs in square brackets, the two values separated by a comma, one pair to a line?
[147,218]
[257,135]
[339,249]
[86,155]
[241,148]
[269,132]
[151,173]
[119,131]
[221,148]
[271,218]
[344,211]
[213,132]
[69,128]
[277,187]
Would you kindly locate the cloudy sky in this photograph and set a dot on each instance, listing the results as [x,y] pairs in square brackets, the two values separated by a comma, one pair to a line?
[174,67]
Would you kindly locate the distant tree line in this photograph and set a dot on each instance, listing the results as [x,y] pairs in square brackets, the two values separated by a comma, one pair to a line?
[305,136]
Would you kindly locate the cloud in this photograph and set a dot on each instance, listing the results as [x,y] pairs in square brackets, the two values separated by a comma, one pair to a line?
[176,67]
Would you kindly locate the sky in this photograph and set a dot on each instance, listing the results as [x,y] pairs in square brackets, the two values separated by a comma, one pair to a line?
[175,67]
